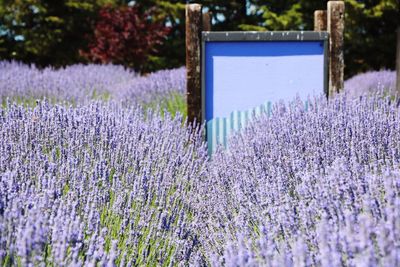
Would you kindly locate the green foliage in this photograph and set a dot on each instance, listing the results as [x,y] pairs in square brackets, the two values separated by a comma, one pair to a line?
[228,15]
[46,32]
[370,26]
[287,19]
[52,32]
[370,35]
[173,104]
[172,53]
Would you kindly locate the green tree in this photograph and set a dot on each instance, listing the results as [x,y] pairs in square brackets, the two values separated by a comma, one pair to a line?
[53,31]
[370,28]
[227,15]
[172,53]
[370,35]
[46,32]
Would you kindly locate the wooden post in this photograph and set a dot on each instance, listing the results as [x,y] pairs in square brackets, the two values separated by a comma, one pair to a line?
[335,26]
[398,63]
[193,83]
[320,20]
[207,21]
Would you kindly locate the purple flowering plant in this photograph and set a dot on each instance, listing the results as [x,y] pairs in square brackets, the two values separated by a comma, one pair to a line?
[90,182]
[371,82]
[308,188]
[96,184]
[82,83]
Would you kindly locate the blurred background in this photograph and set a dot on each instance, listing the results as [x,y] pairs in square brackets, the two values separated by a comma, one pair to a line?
[149,35]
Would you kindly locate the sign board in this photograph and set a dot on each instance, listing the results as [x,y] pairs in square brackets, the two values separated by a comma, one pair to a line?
[244,72]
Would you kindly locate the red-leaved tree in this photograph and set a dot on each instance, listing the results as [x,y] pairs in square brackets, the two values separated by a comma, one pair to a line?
[125,36]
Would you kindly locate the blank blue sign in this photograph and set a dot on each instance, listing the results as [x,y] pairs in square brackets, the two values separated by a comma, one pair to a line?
[242,75]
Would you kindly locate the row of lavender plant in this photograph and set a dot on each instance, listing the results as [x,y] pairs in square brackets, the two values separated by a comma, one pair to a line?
[103,184]
[82,83]
[79,83]
[318,187]
[370,83]
[154,86]
[94,185]
[342,218]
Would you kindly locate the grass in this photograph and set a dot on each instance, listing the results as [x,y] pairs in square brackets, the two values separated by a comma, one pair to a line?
[174,103]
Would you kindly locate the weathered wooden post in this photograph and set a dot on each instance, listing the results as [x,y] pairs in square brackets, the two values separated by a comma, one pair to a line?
[206,21]
[398,62]
[193,86]
[335,27]
[320,20]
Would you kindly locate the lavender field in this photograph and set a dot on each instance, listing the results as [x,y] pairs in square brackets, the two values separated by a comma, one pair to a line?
[80,84]
[99,168]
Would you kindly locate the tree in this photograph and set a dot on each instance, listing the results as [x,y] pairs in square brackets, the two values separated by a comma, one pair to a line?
[126,36]
[370,28]
[171,13]
[53,31]
[46,32]
[370,35]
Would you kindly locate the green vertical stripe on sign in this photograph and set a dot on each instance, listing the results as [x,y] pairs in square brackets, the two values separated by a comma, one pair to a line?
[220,129]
